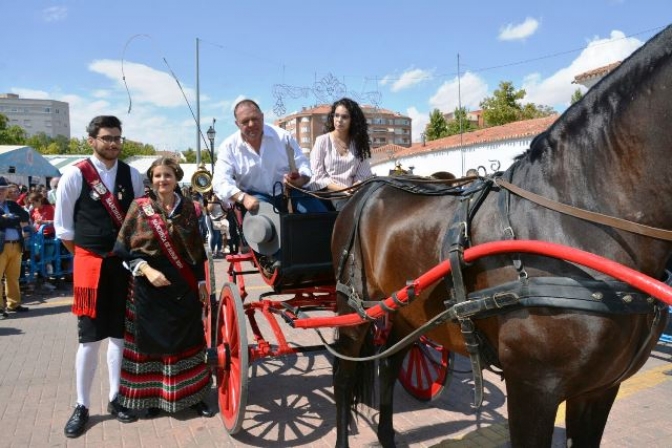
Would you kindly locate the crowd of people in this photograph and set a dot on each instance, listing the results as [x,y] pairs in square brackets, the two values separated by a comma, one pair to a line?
[139,248]
[25,211]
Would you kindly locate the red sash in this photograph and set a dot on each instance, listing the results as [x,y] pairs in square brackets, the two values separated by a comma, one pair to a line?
[92,178]
[161,233]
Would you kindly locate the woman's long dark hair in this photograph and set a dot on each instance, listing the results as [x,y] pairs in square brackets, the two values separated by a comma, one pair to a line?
[359,129]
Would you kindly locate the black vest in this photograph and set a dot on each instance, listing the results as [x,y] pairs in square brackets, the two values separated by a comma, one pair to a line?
[94,228]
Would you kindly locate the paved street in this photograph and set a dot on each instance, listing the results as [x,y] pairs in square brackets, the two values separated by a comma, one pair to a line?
[290,400]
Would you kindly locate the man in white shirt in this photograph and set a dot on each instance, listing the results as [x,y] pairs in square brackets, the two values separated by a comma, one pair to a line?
[253,164]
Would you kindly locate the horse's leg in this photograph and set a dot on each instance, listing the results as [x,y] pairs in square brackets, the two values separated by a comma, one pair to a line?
[389,372]
[532,410]
[587,417]
[348,378]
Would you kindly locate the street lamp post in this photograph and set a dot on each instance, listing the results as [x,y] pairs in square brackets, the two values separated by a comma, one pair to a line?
[211,136]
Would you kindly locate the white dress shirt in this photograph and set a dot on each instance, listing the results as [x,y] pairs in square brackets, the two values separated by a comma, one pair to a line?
[240,168]
[70,187]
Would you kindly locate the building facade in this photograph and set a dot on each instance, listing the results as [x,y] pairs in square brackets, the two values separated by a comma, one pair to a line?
[35,116]
[385,127]
[488,150]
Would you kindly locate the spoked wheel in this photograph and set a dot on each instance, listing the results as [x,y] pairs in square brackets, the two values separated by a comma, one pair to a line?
[425,370]
[232,358]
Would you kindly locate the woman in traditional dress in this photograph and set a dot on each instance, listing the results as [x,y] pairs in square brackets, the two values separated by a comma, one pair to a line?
[163,367]
[340,156]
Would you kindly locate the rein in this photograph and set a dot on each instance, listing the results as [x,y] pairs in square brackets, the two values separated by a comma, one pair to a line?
[599,218]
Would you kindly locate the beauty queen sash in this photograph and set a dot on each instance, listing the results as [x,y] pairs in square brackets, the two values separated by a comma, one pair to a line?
[160,230]
[111,204]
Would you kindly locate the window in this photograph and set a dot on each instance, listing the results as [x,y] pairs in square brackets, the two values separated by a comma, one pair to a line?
[305,128]
[305,139]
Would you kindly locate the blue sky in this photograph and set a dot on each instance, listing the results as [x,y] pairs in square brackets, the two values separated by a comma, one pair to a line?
[400,55]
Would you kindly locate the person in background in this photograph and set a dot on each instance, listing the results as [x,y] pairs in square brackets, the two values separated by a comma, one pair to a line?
[14,227]
[23,193]
[53,186]
[216,232]
[340,157]
[163,367]
[92,198]
[42,214]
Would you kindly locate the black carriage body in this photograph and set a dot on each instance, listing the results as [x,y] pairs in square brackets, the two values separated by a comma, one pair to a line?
[305,241]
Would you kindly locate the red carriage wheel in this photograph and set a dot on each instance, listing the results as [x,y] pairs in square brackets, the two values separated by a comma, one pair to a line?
[232,358]
[425,370]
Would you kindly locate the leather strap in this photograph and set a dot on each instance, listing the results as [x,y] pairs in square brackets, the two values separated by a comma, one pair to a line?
[611,221]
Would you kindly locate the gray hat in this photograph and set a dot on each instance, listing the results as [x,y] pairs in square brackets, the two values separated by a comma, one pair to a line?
[3,182]
[262,229]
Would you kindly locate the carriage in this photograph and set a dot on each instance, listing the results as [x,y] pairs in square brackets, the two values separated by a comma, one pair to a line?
[548,271]
[303,283]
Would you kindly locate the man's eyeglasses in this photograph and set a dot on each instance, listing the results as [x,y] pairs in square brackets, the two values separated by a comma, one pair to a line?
[108,139]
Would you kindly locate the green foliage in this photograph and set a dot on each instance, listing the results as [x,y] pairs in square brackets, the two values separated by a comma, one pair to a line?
[460,123]
[3,122]
[190,156]
[576,96]
[132,148]
[437,126]
[12,135]
[505,106]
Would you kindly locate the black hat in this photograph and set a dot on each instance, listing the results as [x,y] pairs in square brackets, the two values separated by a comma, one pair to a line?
[3,182]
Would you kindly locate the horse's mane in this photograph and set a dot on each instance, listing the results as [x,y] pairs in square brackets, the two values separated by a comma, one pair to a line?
[584,121]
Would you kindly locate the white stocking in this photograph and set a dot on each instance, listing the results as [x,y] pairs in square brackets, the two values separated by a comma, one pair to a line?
[86,363]
[115,352]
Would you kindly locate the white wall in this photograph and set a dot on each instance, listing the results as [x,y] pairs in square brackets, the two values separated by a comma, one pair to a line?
[487,155]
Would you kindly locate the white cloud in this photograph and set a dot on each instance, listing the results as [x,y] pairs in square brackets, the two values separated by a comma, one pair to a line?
[146,85]
[55,13]
[420,121]
[557,89]
[519,31]
[409,78]
[471,91]
[31,93]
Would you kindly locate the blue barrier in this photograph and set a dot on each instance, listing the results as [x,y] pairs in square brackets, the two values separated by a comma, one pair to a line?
[44,257]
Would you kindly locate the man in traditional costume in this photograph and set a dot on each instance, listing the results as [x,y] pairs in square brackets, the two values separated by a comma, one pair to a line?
[92,199]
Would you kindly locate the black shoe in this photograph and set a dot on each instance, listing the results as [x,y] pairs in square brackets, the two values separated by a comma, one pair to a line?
[77,422]
[152,413]
[3,315]
[19,309]
[121,412]
[202,409]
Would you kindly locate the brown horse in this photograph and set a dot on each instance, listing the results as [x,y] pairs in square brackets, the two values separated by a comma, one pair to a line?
[608,153]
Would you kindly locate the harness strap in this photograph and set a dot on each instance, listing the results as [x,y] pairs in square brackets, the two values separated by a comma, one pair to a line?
[599,218]
[504,202]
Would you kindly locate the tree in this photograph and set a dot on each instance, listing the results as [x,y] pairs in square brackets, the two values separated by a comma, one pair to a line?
[531,110]
[455,127]
[190,155]
[437,126]
[13,135]
[505,106]
[576,96]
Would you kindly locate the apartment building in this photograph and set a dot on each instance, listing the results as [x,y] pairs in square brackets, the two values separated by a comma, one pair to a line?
[35,116]
[385,127]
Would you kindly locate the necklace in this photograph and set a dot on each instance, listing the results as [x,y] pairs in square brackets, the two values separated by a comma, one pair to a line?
[341,147]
